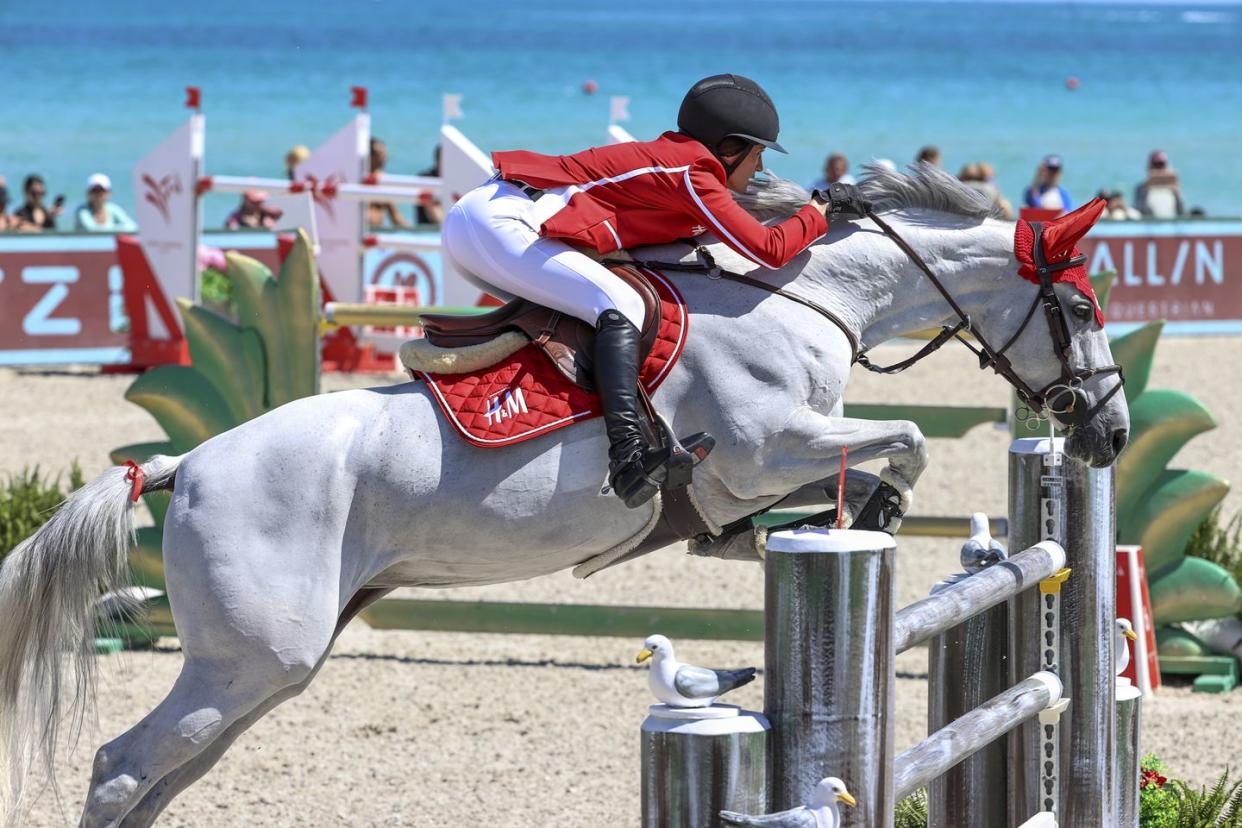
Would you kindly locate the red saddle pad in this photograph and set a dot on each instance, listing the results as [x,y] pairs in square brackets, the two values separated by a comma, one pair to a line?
[524,395]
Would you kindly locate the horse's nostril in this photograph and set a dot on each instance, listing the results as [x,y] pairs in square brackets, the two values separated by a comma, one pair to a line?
[1120,437]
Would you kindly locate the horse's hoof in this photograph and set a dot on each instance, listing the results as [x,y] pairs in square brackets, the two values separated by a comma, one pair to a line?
[882,512]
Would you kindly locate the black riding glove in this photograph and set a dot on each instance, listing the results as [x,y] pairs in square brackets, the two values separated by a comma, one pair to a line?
[843,200]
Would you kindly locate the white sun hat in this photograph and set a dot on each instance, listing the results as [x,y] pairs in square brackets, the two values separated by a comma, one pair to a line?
[99,180]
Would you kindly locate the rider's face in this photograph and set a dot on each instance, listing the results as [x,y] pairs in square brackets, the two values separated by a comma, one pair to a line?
[751,164]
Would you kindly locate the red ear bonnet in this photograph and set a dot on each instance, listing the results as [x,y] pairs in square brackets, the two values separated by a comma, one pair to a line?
[1059,239]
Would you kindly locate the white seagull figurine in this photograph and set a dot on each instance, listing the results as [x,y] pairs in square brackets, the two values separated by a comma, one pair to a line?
[821,812]
[981,549]
[684,685]
[1123,629]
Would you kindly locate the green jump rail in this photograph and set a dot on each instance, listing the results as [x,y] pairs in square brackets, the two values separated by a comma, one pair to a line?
[519,618]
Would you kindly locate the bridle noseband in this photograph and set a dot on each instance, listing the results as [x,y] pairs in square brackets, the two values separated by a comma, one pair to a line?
[1064,397]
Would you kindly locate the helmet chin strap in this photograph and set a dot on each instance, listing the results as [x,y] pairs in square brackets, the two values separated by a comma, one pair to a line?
[730,166]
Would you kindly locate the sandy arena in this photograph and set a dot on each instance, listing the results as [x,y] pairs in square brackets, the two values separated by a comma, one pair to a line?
[439,729]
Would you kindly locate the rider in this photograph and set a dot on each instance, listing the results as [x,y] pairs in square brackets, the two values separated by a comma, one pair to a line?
[523,233]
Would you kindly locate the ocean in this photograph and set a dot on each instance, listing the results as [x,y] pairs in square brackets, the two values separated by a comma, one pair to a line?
[90,86]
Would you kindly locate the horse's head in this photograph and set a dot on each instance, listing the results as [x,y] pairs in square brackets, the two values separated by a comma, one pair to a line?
[1055,352]
[1045,335]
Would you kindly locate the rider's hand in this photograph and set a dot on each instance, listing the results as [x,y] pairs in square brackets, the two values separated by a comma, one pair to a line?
[843,200]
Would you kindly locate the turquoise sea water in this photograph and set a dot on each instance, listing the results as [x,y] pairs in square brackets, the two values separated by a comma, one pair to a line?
[87,86]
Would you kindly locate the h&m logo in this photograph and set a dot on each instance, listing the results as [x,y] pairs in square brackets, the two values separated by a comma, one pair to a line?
[505,406]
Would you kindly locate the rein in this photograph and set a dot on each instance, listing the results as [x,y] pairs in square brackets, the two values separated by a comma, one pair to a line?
[1063,397]
[709,267]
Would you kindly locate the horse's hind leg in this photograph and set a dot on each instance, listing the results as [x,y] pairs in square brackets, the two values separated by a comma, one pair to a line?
[244,641]
[164,791]
[158,797]
[207,698]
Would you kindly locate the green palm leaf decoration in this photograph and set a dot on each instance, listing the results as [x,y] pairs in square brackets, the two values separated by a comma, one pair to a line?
[1158,507]
[238,371]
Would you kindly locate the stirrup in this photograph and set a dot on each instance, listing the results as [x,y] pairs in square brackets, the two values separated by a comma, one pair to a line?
[670,466]
[683,455]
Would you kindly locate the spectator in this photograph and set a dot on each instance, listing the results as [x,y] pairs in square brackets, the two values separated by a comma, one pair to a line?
[293,157]
[1046,191]
[836,168]
[32,212]
[99,214]
[381,213]
[1160,195]
[253,213]
[972,174]
[981,177]
[7,223]
[989,175]
[429,209]
[1117,209]
[928,155]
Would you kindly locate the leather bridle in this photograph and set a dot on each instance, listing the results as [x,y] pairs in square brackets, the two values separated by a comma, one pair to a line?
[1064,397]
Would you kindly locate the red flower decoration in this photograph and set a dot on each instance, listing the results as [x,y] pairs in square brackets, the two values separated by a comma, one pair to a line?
[1150,777]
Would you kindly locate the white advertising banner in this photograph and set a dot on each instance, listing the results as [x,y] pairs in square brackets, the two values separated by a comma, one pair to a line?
[342,159]
[167,210]
[463,166]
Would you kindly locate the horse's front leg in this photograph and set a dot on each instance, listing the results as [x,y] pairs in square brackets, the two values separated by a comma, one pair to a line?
[807,452]
[747,544]
[818,438]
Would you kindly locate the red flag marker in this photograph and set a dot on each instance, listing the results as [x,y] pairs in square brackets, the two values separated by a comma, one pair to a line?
[845,452]
[193,97]
[359,100]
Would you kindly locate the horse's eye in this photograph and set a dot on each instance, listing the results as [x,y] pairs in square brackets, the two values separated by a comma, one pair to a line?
[1083,311]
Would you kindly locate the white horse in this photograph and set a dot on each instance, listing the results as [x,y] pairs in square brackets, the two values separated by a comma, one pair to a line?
[282,529]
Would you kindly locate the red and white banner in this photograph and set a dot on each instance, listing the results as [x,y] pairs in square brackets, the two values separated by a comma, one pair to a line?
[342,159]
[1133,603]
[1180,271]
[166,208]
[60,306]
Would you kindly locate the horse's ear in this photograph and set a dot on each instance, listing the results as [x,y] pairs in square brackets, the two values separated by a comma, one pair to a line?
[1060,235]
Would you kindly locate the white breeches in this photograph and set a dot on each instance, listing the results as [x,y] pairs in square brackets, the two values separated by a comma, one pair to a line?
[492,236]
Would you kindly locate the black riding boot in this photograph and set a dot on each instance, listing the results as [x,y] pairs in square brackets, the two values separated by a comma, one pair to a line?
[636,470]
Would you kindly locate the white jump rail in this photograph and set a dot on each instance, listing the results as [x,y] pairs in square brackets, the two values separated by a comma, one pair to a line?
[833,636]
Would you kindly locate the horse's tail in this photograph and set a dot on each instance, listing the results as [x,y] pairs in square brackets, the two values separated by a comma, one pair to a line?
[49,585]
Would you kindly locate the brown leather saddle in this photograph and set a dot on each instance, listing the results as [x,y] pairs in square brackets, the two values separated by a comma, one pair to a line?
[568,341]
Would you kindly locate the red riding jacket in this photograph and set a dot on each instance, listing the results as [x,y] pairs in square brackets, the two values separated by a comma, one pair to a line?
[653,192]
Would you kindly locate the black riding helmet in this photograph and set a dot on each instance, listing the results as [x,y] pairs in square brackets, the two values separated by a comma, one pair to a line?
[724,106]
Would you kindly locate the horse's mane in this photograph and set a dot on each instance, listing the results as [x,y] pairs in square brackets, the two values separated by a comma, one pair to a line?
[924,186]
